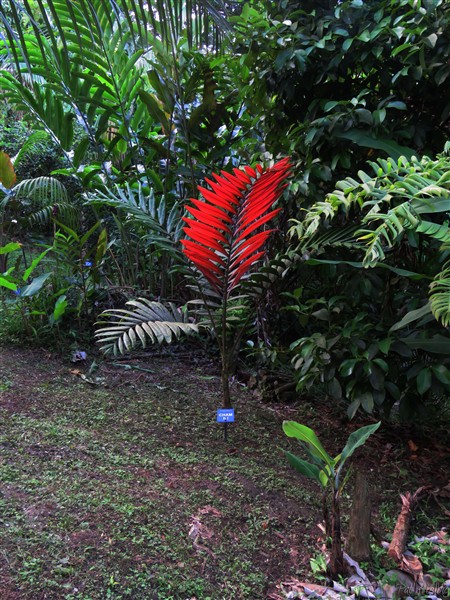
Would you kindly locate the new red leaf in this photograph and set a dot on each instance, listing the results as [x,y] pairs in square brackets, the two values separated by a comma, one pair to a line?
[226,228]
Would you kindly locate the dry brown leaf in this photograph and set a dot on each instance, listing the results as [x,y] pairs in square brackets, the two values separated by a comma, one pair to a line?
[412,446]
[412,565]
[298,586]
[210,510]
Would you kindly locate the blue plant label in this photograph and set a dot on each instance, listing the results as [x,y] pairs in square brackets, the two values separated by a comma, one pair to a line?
[225,415]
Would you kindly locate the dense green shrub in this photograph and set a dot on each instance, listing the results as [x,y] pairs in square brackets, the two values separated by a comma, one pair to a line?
[341,82]
[13,129]
[379,246]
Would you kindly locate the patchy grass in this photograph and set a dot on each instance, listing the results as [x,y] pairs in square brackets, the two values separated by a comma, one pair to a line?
[125,489]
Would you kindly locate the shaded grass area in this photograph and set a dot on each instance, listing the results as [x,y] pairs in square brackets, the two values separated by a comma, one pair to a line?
[127,490]
[124,487]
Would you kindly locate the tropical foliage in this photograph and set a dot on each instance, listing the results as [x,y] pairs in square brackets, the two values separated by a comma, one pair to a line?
[227,239]
[382,345]
[342,82]
[135,104]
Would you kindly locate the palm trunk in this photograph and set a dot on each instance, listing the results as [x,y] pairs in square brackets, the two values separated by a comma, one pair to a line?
[226,394]
[337,565]
[226,384]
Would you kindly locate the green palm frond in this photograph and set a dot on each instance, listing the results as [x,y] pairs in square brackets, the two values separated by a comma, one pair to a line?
[89,69]
[393,225]
[41,191]
[121,329]
[32,146]
[46,197]
[67,214]
[440,294]
[162,223]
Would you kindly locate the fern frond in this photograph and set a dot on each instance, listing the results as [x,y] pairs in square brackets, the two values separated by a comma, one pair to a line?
[121,329]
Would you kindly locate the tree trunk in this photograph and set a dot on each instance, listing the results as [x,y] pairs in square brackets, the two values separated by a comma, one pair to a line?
[359,528]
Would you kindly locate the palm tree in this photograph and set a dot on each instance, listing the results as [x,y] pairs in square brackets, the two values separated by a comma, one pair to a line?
[112,66]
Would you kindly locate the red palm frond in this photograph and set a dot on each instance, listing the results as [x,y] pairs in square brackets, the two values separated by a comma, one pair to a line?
[226,239]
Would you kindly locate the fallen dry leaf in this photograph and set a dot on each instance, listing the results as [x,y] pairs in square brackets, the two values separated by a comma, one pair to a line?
[299,586]
[412,446]
[412,565]
[210,510]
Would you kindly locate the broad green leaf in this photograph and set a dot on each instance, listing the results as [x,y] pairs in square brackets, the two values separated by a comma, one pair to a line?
[360,265]
[438,344]
[356,439]
[382,364]
[384,345]
[347,43]
[366,401]
[35,286]
[11,247]
[334,389]
[324,478]
[102,246]
[304,467]
[366,140]
[442,374]
[7,284]
[317,461]
[60,308]
[88,234]
[411,316]
[353,408]
[305,434]
[34,264]
[347,366]
[430,205]
[423,381]
[81,150]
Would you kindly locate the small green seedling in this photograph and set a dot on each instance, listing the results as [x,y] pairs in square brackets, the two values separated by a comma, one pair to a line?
[328,472]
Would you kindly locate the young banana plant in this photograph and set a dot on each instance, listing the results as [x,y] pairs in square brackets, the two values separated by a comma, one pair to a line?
[226,234]
[327,471]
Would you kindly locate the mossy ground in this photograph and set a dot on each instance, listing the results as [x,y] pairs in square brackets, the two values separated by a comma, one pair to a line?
[124,487]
